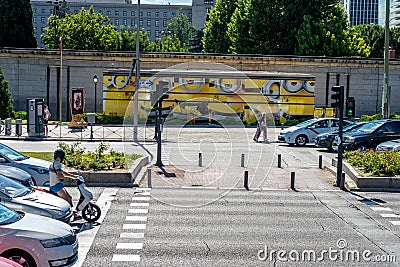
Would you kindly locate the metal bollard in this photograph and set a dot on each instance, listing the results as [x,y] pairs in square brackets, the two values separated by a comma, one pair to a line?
[342,180]
[246,180]
[292,180]
[8,126]
[320,162]
[279,161]
[242,161]
[200,159]
[149,177]
[18,127]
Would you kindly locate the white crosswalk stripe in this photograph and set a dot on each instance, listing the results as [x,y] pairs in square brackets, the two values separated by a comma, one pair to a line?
[381,209]
[117,257]
[129,245]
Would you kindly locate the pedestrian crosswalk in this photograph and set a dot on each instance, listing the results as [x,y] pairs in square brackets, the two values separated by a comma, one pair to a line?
[388,214]
[131,239]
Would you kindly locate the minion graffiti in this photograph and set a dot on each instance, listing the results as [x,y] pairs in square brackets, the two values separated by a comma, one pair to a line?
[211,94]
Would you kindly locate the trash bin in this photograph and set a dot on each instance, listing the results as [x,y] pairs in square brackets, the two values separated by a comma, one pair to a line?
[18,127]
[8,126]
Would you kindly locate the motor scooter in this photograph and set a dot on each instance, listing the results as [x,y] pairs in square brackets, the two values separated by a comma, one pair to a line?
[90,211]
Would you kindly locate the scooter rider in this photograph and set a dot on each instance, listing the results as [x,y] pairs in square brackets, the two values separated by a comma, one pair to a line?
[57,175]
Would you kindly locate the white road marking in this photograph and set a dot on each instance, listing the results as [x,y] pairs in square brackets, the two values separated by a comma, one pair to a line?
[131,235]
[134,226]
[117,257]
[136,218]
[86,237]
[142,194]
[381,209]
[129,245]
[138,211]
[389,215]
[395,222]
[140,204]
[141,198]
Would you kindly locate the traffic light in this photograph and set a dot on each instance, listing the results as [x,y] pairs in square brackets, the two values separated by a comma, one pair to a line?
[350,107]
[337,95]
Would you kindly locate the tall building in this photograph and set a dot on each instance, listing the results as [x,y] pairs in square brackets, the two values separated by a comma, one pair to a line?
[153,18]
[362,11]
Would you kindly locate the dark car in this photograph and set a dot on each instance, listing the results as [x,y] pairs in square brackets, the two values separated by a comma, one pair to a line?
[326,139]
[372,134]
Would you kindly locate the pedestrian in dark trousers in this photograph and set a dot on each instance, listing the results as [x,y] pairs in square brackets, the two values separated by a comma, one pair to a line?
[261,128]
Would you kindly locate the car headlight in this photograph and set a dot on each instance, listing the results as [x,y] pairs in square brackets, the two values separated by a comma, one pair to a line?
[323,137]
[40,170]
[348,139]
[55,242]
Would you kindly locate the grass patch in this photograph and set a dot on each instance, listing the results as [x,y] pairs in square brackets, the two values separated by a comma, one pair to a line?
[40,155]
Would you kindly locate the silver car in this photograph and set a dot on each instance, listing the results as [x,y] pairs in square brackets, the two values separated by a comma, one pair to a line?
[305,132]
[39,169]
[17,175]
[33,240]
[389,145]
[18,197]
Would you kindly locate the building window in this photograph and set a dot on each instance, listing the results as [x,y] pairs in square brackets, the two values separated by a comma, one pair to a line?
[116,22]
[35,10]
[149,33]
[141,23]
[42,30]
[190,16]
[34,19]
[157,23]
[35,30]
[108,12]
[101,12]
[132,22]
[43,20]
[125,13]
[51,11]
[157,14]
[116,12]
[132,13]
[76,11]
[43,10]
[173,14]
[164,23]
[125,22]
[157,33]
[148,23]
[141,13]
[149,14]
[165,14]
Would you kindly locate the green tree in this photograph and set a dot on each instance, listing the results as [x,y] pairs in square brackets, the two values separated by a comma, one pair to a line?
[216,39]
[16,28]
[6,100]
[83,31]
[127,39]
[374,36]
[181,27]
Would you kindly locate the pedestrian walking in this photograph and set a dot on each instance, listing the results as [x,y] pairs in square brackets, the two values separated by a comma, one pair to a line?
[47,116]
[261,128]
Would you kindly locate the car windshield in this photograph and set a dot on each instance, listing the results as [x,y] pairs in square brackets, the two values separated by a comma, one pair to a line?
[306,123]
[371,126]
[352,126]
[11,153]
[8,216]
[12,189]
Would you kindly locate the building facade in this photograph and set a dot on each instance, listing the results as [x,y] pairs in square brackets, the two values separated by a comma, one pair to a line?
[363,11]
[153,18]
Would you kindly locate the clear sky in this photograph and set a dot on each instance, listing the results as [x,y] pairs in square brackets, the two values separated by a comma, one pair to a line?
[164,2]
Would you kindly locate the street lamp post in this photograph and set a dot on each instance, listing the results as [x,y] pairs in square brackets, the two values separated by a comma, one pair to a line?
[95,92]
[386,86]
[137,78]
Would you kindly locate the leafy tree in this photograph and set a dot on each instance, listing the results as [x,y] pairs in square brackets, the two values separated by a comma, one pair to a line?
[16,29]
[6,100]
[195,43]
[255,27]
[216,39]
[181,27]
[127,40]
[167,44]
[374,36]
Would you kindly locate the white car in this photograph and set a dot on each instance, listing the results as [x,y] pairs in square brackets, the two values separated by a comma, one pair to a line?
[16,174]
[39,169]
[33,240]
[18,197]
[305,132]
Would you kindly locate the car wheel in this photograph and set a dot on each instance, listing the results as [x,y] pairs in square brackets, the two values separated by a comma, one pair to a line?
[362,148]
[21,257]
[301,140]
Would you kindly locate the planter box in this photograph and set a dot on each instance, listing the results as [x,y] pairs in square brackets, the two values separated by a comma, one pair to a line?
[370,183]
[119,178]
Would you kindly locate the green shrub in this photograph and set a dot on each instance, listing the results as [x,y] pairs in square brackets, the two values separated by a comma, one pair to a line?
[76,157]
[20,115]
[375,163]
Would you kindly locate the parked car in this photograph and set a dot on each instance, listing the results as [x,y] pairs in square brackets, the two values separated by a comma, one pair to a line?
[17,175]
[370,135]
[39,169]
[16,196]
[34,240]
[326,139]
[389,146]
[305,132]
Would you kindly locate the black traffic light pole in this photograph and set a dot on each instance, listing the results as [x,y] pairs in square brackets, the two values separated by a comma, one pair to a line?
[158,131]
[339,97]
